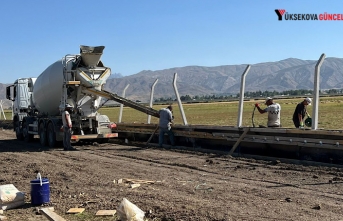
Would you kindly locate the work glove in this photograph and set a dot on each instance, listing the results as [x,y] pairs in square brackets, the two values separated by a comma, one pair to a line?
[301,124]
[257,105]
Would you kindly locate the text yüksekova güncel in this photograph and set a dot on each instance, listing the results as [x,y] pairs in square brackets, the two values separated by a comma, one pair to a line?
[324,16]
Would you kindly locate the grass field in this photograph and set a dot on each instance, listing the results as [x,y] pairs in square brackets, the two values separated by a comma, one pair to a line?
[225,113]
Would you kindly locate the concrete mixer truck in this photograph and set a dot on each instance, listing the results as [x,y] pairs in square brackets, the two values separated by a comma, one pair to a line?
[77,80]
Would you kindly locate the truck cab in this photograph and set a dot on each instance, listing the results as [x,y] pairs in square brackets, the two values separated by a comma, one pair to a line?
[21,94]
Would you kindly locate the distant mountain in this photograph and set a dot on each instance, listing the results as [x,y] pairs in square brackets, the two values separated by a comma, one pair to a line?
[288,74]
[116,75]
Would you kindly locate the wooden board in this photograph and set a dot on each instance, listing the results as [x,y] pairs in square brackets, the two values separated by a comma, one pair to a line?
[258,138]
[38,209]
[135,185]
[269,130]
[76,210]
[246,130]
[106,212]
[152,135]
[51,215]
[138,181]
[73,82]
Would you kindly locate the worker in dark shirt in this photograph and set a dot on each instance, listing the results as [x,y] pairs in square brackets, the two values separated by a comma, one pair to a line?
[166,120]
[300,111]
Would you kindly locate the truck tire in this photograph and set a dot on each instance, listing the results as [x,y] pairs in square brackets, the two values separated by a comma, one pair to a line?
[27,137]
[18,132]
[51,135]
[42,135]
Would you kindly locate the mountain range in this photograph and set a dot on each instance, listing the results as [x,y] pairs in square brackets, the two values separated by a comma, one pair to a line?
[288,74]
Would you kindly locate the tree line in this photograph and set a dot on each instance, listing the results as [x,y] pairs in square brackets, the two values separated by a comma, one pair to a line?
[249,94]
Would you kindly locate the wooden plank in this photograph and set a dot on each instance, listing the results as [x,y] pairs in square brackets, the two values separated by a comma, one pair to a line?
[152,135]
[136,125]
[38,209]
[76,210]
[269,130]
[178,126]
[134,185]
[207,127]
[134,130]
[138,181]
[246,130]
[51,215]
[295,143]
[106,212]
[316,132]
[194,134]
[226,135]
[295,139]
[179,133]
[73,82]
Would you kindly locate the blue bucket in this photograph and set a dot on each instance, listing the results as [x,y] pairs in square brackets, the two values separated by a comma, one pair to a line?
[40,190]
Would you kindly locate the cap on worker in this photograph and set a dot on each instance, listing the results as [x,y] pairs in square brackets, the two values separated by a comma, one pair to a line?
[68,106]
[308,100]
[267,99]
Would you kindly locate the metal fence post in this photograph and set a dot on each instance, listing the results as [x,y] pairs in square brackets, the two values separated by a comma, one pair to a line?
[179,100]
[316,92]
[122,105]
[151,98]
[241,99]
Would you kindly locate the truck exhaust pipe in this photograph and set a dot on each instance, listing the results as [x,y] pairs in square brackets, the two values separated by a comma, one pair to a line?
[91,55]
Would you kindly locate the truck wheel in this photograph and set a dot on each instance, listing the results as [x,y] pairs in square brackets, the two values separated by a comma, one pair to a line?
[51,135]
[42,135]
[27,137]
[18,133]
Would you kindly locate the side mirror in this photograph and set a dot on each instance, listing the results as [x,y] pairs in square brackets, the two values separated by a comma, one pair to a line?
[8,93]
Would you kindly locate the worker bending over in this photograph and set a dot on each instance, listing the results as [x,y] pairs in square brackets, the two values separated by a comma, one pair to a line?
[273,110]
[300,111]
[166,120]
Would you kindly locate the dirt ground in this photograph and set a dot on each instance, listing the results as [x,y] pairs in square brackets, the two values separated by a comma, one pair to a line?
[191,185]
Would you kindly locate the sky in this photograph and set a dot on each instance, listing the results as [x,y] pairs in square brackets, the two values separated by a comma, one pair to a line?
[160,34]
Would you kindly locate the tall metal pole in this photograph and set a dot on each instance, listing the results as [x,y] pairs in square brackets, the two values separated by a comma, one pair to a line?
[316,92]
[179,100]
[2,110]
[151,98]
[241,99]
[122,105]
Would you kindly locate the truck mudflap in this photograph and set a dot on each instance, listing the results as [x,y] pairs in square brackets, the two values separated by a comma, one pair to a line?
[93,136]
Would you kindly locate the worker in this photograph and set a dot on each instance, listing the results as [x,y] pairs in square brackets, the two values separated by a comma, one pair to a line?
[273,110]
[67,125]
[300,111]
[166,120]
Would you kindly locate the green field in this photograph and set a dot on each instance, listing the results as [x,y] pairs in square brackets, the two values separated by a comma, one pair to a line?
[225,113]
